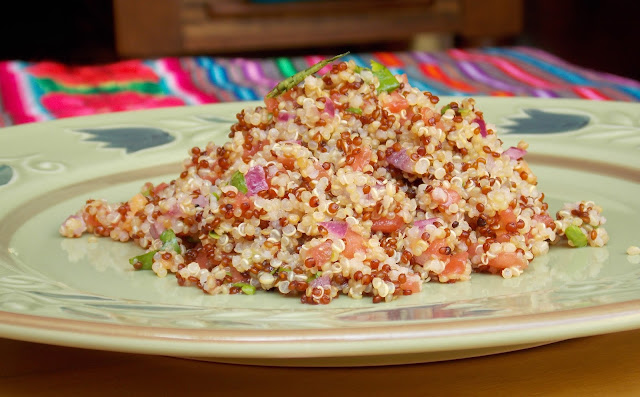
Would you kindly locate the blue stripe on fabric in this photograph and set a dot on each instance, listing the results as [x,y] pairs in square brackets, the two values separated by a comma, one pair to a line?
[218,77]
[153,64]
[419,84]
[561,73]
[555,70]
[633,91]
[357,59]
[36,91]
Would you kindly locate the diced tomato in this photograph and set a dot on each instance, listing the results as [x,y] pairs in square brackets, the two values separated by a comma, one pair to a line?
[457,264]
[387,225]
[428,113]
[288,162]
[396,103]
[506,216]
[361,159]
[90,221]
[546,219]
[432,252]
[247,154]
[159,188]
[353,243]
[449,197]
[271,103]
[508,259]
[137,202]
[241,199]
[434,249]
[236,276]
[413,283]
[321,253]
[202,260]
[322,172]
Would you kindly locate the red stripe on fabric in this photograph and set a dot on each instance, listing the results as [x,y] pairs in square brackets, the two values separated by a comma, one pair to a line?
[313,59]
[12,100]
[506,66]
[501,93]
[183,79]
[389,59]
[437,73]
[590,93]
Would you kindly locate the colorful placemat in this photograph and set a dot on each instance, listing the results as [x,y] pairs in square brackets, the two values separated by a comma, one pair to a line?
[39,91]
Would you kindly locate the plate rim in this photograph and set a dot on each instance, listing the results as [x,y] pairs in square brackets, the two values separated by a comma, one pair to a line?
[477,332]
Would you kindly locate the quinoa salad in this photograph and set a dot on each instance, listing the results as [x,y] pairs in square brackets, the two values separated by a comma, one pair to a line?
[350,183]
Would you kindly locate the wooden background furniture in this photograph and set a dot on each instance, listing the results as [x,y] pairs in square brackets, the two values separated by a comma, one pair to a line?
[177,27]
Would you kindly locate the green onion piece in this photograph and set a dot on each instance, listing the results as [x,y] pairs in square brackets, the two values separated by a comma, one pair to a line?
[247,289]
[464,112]
[290,82]
[216,195]
[359,69]
[237,181]
[146,260]
[575,235]
[388,81]
[354,110]
[445,108]
[214,235]
[170,241]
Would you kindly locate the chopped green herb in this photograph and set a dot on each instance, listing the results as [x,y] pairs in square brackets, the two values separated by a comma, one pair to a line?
[214,235]
[290,82]
[314,276]
[170,241]
[146,260]
[359,69]
[464,111]
[237,181]
[354,110]
[445,108]
[247,289]
[216,195]
[388,81]
[576,236]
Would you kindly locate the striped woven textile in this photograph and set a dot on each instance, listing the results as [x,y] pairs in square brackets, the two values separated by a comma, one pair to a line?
[31,92]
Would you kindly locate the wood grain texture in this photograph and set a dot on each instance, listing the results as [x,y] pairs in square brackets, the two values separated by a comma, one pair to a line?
[172,27]
[147,27]
[596,366]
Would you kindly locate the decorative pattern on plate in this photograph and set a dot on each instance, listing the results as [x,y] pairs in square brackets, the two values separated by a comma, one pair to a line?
[6,174]
[535,121]
[132,139]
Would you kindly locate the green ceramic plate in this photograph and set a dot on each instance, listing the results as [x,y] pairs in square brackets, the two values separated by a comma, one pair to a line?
[76,292]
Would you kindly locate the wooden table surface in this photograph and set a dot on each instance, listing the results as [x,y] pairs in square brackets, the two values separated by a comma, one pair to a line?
[604,365]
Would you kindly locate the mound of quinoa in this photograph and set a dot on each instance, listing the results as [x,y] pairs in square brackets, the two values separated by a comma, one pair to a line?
[343,184]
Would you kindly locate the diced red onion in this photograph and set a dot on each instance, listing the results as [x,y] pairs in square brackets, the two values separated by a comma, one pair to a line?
[401,161]
[156,230]
[335,228]
[329,107]
[322,281]
[425,222]
[201,201]
[175,211]
[482,125]
[283,116]
[256,180]
[515,153]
